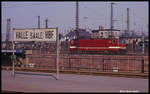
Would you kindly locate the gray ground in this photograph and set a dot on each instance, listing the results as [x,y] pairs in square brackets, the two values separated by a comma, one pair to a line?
[71,83]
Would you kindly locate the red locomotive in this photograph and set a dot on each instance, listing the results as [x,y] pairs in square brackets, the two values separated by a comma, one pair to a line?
[97,45]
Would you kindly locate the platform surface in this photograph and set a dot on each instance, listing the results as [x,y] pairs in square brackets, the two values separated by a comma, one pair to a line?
[71,83]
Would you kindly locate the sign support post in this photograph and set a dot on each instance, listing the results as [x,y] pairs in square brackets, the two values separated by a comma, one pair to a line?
[13,58]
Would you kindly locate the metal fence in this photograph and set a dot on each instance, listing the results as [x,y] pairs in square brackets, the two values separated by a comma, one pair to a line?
[104,64]
[88,63]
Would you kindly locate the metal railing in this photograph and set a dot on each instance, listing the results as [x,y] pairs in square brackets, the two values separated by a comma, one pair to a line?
[92,63]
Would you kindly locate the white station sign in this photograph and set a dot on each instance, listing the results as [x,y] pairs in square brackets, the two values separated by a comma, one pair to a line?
[42,34]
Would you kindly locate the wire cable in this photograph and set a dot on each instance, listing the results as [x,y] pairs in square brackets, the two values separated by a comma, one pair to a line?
[23,5]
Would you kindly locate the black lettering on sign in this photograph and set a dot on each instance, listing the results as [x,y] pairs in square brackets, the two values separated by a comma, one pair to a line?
[17,35]
[31,35]
[41,35]
[26,35]
[48,34]
[22,35]
[36,35]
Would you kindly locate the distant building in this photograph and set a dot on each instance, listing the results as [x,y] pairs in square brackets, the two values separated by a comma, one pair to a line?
[129,38]
[105,33]
[82,34]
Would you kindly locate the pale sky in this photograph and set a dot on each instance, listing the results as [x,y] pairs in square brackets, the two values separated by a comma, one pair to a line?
[62,15]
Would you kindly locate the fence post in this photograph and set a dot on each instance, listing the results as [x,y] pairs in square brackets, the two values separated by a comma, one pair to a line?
[128,65]
[103,65]
[142,66]
[79,65]
[69,63]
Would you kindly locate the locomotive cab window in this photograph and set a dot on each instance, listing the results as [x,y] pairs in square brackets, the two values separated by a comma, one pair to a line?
[114,41]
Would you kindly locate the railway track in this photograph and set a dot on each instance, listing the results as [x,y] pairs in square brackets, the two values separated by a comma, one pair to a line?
[118,74]
[127,54]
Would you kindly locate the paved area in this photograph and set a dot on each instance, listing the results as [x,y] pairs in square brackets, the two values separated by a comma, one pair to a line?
[71,83]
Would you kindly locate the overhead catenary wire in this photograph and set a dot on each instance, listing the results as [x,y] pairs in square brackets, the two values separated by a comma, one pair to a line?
[24,5]
[28,5]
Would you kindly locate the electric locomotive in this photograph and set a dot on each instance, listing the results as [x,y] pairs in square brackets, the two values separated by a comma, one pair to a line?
[110,45]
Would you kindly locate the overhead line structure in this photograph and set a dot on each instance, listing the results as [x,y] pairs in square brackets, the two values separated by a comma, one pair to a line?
[39,22]
[111,22]
[46,23]
[77,22]
[8,33]
[128,22]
